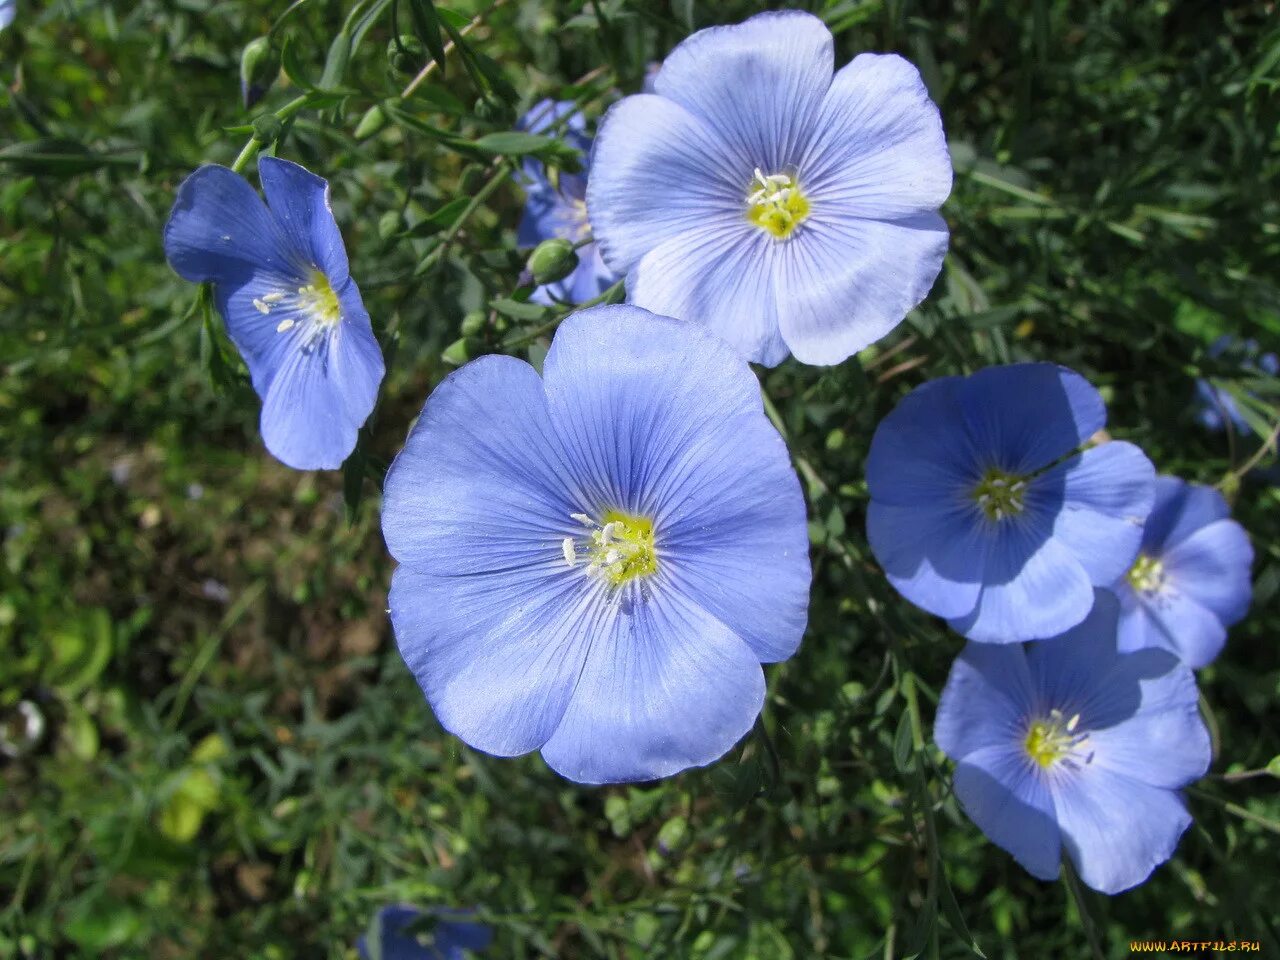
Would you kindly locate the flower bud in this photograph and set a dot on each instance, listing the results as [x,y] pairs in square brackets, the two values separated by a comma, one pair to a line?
[473,323]
[460,351]
[259,66]
[552,260]
[374,119]
[267,128]
[406,55]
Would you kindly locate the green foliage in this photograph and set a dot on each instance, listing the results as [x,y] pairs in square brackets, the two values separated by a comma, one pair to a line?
[234,760]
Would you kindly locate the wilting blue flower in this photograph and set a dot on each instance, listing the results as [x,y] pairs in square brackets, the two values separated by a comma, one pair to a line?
[973,517]
[1191,579]
[1069,743]
[8,10]
[1214,405]
[447,940]
[560,210]
[282,284]
[596,562]
[785,209]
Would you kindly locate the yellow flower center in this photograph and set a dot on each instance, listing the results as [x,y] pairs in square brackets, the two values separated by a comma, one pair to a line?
[999,494]
[315,299]
[1146,575]
[776,204]
[618,549]
[1054,738]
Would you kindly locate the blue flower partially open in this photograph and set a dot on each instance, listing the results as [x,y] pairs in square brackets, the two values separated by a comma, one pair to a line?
[785,208]
[559,210]
[1069,743]
[1191,579]
[976,517]
[450,938]
[282,284]
[596,562]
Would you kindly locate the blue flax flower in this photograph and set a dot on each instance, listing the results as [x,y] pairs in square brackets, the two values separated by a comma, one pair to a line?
[282,284]
[449,938]
[559,210]
[975,516]
[596,562]
[1070,743]
[1214,405]
[1191,579]
[8,10]
[785,208]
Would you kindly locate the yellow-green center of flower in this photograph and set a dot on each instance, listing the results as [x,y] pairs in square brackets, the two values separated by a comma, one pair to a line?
[1146,575]
[316,299]
[1054,738]
[618,549]
[999,494]
[776,204]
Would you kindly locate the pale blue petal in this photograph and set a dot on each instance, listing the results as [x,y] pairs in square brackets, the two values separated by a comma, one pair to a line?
[1174,621]
[481,485]
[1068,668]
[844,283]
[256,333]
[221,231]
[665,687]
[661,419]
[758,84]
[299,201]
[879,151]
[920,454]
[498,654]
[1180,509]
[987,702]
[8,10]
[1117,830]
[933,555]
[1211,566]
[657,172]
[1001,792]
[322,393]
[720,275]
[1027,415]
[1033,587]
[1107,493]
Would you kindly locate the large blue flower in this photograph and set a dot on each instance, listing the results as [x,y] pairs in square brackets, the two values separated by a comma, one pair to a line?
[786,209]
[449,938]
[1069,743]
[596,562]
[1191,579]
[282,284]
[8,10]
[975,516]
[560,210]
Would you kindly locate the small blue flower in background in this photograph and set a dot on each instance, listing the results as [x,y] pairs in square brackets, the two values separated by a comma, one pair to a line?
[1069,743]
[596,562]
[450,938]
[975,516]
[786,209]
[560,210]
[8,10]
[283,286]
[1191,579]
[1214,405]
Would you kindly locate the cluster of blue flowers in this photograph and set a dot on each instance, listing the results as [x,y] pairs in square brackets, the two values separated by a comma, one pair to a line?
[595,561]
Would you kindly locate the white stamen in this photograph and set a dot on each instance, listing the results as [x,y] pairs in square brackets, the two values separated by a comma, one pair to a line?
[583,519]
[284,325]
[610,532]
[570,551]
[273,298]
[261,307]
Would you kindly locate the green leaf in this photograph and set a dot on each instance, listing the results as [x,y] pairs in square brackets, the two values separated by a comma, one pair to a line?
[102,923]
[513,143]
[518,310]
[903,757]
[79,652]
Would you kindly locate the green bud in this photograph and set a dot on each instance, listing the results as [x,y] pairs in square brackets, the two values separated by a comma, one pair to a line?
[552,260]
[460,351]
[473,323]
[266,128]
[389,224]
[259,67]
[374,119]
[407,55]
